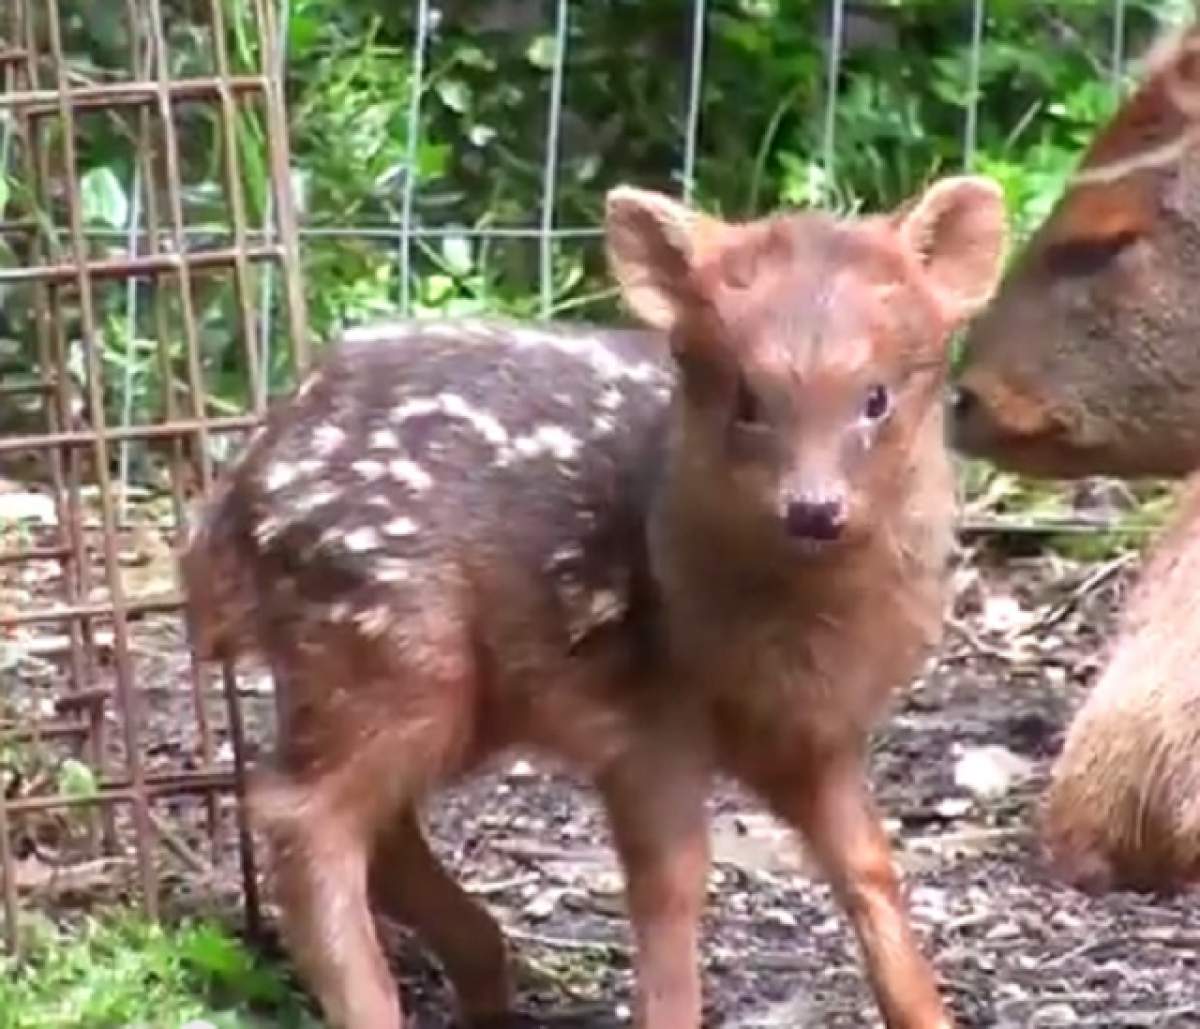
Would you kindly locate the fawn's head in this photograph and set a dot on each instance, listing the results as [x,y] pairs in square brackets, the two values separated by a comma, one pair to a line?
[810,349]
[1086,362]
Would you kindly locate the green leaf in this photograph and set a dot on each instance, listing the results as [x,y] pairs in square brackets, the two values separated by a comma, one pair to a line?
[104,199]
[474,57]
[455,94]
[75,779]
[456,251]
[542,52]
[303,34]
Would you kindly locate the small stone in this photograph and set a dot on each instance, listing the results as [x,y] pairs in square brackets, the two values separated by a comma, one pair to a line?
[953,807]
[521,769]
[542,905]
[990,772]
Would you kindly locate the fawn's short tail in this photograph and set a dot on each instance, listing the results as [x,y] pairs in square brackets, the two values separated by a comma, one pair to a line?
[217,584]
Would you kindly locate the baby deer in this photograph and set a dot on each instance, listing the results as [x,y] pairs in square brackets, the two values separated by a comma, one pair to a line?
[715,546]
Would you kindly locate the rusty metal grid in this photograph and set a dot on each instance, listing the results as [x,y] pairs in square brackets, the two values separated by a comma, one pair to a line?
[96,685]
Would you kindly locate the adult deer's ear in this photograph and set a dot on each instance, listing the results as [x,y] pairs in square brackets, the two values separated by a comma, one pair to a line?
[654,245]
[957,230]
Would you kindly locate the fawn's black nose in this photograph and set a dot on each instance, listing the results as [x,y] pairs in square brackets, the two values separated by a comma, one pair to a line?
[821,519]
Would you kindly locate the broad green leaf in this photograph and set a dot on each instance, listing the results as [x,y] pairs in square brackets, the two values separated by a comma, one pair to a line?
[104,199]
[75,779]
[456,251]
[542,52]
[455,94]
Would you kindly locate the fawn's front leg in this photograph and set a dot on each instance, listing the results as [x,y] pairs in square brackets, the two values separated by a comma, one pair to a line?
[830,803]
[655,804]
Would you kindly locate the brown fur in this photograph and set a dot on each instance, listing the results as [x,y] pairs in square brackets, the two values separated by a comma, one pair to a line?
[1086,362]
[1123,809]
[633,594]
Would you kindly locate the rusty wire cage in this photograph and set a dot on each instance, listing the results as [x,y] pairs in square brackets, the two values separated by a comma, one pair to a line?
[95,308]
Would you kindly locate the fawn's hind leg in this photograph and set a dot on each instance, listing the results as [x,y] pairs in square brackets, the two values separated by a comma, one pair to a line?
[409,883]
[319,858]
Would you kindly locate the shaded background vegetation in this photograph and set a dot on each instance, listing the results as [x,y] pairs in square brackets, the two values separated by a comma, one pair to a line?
[1045,80]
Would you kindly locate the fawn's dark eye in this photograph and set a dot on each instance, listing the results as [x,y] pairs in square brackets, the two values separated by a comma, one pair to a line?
[746,409]
[879,402]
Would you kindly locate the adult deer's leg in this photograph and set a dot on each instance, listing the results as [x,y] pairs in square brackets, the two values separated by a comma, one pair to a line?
[829,801]
[410,884]
[655,804]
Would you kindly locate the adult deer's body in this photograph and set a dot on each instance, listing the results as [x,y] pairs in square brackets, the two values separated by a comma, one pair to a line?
[1088,362]
[1123,807]
[716,546]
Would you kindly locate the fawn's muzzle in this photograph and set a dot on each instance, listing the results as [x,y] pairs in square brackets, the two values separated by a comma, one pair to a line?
[821,518]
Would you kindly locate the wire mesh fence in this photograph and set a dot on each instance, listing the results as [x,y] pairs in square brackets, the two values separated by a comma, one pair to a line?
[148,320]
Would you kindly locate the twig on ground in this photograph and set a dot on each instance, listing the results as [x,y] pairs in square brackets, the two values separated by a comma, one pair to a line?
[1091,582]
[564,943]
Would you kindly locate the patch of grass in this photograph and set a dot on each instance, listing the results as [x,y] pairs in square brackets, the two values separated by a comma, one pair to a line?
[122,971]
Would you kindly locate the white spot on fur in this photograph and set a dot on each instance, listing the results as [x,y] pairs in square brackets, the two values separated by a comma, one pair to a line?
[362,540]
[368,469]
[401,526]
[306,503]
[384,439]
[603,424]
[604,604]
[310,467]
[279,475]
[267,529]
[391,570]
[452,405]
[417,407]
[326,439]
[340,612]
[611,399]
[567,552]
[591,349]
[375,621]
[409,473]
[548,439]
[484,423]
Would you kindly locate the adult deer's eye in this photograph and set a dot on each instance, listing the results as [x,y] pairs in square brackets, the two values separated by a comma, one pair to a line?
[879,402]
[1081,257]
[746,409]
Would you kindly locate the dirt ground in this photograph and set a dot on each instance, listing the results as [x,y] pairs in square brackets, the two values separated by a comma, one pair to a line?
[958,770]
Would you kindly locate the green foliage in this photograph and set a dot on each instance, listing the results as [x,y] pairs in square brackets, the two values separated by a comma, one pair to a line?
[123,971]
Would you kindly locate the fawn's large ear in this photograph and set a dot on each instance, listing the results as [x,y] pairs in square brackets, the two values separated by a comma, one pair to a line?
[957,229]
[654,243]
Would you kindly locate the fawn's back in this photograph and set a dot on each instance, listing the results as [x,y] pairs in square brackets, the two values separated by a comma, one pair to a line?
[464,494]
